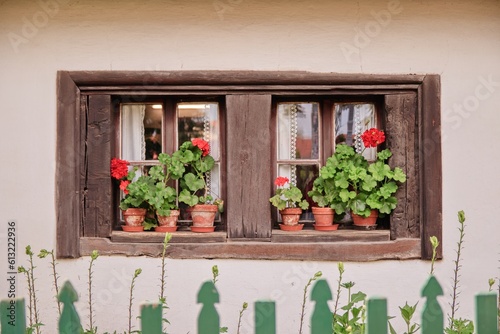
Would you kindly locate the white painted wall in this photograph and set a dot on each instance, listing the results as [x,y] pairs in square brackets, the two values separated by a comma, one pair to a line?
[457,39]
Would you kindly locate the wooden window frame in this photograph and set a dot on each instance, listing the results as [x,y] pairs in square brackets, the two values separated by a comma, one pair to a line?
[412,105]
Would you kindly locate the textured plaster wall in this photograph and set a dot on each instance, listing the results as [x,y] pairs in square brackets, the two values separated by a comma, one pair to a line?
[457,39]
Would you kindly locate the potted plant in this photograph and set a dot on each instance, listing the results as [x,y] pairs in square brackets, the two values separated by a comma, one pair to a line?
[288,200]
[163,197]
[349,182]
[195,193]
[134,204]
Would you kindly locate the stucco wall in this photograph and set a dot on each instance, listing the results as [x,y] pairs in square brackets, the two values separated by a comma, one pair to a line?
[457,39]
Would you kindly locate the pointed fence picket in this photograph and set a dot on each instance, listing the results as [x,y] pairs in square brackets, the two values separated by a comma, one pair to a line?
[13,315]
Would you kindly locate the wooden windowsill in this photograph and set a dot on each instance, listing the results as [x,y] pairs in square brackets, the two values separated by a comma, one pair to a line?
[342,245]
[277,236]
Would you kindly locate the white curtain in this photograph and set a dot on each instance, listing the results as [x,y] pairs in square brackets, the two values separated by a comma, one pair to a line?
[133,143]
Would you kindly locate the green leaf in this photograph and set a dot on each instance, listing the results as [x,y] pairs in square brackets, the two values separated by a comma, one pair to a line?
[388,189]
[388,205]
[193,182]
[399,175]
[384,155]
[187,198]
[304,205]
[391,329]
[149,224]
[277,202]
[205,164]
[342,182]
[344,151]
[368,183]
[346,195]
[176,170]
[379,170]
[358,297]
[373,201]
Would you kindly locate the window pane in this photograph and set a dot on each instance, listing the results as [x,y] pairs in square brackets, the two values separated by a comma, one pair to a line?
[141,126]
[351,120]
[298,131]
[199,120]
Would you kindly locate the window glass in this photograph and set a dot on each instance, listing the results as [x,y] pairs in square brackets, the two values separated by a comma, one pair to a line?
[351,120]
[201,120]
[298,130]
[141,126]
[299,145]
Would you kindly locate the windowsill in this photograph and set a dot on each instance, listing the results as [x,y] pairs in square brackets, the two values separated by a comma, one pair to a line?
[342,245]
[277,236]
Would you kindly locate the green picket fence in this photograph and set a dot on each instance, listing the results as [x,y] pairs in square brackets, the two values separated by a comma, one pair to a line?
[13,313]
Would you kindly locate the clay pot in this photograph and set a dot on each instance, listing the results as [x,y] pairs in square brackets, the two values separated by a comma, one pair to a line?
[203,216]
[134,219]
[323,216]
[371,220]
[168,223]
[290,218]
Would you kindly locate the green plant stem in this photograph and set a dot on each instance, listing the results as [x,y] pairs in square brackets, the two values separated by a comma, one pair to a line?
[30,291]
[55,276]
[339,282]
[131,298]
[243,308]
[33,290]
[348,301]
[162,298]
[456,271]
[93,257]
[167,238]
[304,299]
[23,270]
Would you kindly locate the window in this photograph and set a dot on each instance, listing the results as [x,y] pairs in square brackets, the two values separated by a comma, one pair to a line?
[149,128]
[301,147]
[264,124]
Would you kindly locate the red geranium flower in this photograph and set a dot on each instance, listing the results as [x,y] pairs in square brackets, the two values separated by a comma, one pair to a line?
[123,186]
[373,137]
[119,168]
[202,144]
[281,181]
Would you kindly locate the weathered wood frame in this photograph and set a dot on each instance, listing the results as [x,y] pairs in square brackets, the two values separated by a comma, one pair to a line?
[418,97]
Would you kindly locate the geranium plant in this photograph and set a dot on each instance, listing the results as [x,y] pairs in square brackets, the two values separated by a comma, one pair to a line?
[349,181]
[163,197]
[287,195]
[195,155]
[135,188]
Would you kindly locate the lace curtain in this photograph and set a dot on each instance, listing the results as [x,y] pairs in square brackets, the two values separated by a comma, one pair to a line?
[133,143]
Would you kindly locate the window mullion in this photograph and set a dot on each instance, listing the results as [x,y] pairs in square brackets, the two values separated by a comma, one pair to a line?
[248,153]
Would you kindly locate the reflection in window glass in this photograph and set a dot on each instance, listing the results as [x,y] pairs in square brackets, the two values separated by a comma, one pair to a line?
[351,120]
[141,131]
[199,120]
[298,130]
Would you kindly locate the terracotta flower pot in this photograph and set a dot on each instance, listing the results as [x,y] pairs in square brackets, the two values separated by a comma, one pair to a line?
[203,216]
[168,223]
[134,219]
[290,218]
[323,216]
[371,220]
